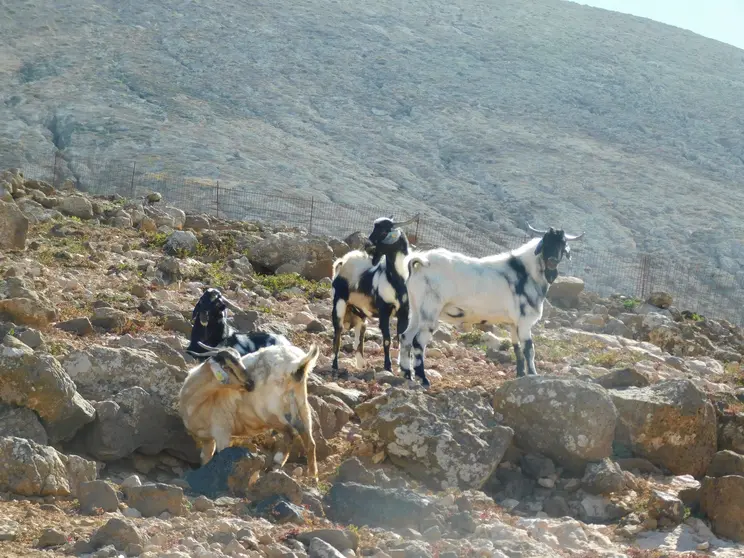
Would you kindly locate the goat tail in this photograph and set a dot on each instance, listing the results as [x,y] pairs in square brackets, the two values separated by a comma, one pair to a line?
[416,262]
[307,364]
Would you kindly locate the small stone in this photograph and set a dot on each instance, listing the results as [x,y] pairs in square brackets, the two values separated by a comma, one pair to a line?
[315,326]
[8,529]
[51,537]
[153,499]
[77,326]
[546,482]
[433,534]
[202,503]
[118,532]
[97,494]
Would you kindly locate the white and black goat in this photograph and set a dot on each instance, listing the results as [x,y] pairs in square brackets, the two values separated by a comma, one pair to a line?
[210,327]
[371,283]
[507,288]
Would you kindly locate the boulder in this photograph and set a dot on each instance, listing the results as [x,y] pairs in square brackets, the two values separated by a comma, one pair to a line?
[230,471]
[725,463]
[76,206]
[565,289]
[118,532]
[311,255]
[30,469]
[570,421]
[28,311]
[13,227]
[23,423]
[181,242]
[38,382]
[152,499]
[101,372]
[109,319]
[452,438]
[353,503]
[133,420]
[722,500]
[672,424]
[731,432]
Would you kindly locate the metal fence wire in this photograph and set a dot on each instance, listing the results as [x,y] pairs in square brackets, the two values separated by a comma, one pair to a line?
[704,289]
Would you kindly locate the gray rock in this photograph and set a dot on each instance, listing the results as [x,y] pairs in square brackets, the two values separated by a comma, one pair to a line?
[603,477]
[370,505]
[121,533]
[352,470]
[619,378]
[100,372]
[453,439]
[340,539]
[181,242]
[321,549]
[722,500]
[570,421]
[312,255]
[536,466]
[134,420]
[78,326]
[30,469]
[9,529]
[97,494]
[726,462]
[672,424]
[23,423]
[277,483]
[153,499]
[13,227]
[38,382]
[109,319]
[51,538]
[76,206]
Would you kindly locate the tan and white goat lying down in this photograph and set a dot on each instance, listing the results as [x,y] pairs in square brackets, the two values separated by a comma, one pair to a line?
[229,397]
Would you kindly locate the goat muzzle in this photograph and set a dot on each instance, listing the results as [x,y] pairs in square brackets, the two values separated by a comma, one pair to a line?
[204,318]
[551,263]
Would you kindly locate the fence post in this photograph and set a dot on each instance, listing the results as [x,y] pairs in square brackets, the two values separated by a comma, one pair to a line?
[416,234]
[218,199]
[644,277]
[131,185]
[312,210]
[54,170]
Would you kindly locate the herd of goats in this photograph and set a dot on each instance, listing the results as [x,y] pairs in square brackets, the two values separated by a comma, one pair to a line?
[248,383]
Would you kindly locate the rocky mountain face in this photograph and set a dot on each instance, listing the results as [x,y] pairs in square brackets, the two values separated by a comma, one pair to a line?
[628,444]
[487,115]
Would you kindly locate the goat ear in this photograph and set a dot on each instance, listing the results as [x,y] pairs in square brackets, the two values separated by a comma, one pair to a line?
[392,237]
[539,246]
[307,364]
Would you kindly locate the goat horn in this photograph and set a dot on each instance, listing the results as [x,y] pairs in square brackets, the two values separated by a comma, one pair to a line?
[573,237]
[207,347]
[231,305]
[402,223]
[534,230]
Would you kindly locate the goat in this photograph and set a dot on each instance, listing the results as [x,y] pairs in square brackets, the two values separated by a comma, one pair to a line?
[210,327]
[368,285]
[228,397]
[509,287]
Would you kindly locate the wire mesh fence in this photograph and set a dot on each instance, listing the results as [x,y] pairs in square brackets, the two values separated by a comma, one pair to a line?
[706,290]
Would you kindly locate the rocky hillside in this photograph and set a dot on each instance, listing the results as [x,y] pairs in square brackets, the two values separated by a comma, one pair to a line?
[629,444]
[547,111]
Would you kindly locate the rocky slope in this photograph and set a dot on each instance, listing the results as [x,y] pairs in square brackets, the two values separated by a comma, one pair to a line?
[549,111]
[629,444]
